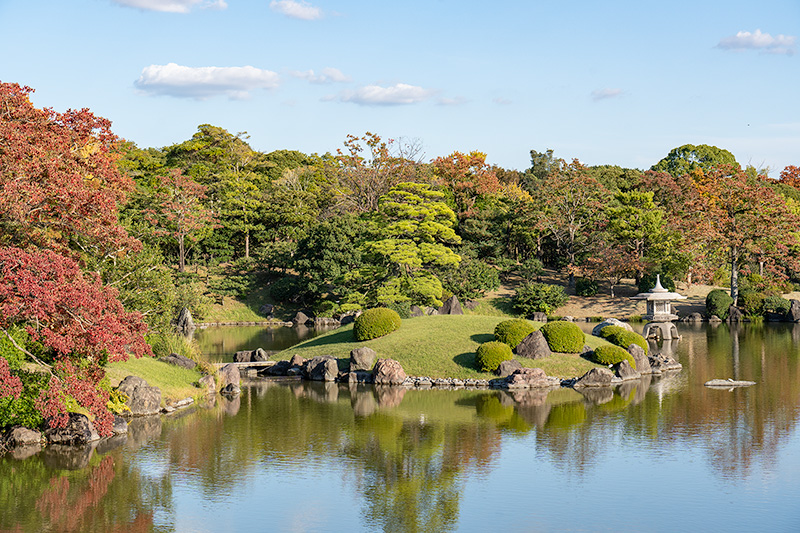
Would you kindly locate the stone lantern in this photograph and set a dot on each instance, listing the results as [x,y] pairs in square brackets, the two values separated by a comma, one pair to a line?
[659,312]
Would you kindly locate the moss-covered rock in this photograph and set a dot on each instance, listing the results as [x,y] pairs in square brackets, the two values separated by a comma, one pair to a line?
[564,337]
[374,323]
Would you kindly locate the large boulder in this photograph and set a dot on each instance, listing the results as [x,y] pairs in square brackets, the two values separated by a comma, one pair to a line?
[229,379]
[300,318]
[528,378]
[610,322]
[692,318]
[259,354]
[321,368]
[208,384]
[388,372]
[243,356]
[793,315]
[506,368]
[538,316]
[79,430]
[267,310]
[184,322]
[662,362]
[451,307]
[143,399]
[416,311]
[179,360]
[281,368]
[362,359]
[534,346]
[596,377]
[20,436]
[625,371]
[640,358]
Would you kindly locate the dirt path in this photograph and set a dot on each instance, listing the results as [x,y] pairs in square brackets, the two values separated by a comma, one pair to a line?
[603,305]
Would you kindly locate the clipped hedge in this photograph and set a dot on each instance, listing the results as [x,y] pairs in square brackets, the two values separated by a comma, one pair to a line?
[611,355]
[718,302]
[490,354]
[564,337]
[374,323]
[623,338]
[512,331]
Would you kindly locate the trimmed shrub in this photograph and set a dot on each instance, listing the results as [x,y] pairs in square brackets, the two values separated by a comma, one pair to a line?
[718,302]
[751,302]
[512,331]
[623,338]
[564,337]
[777,304]
[374,323]
[535,297]
[586,287]
[490,354]
[611,355]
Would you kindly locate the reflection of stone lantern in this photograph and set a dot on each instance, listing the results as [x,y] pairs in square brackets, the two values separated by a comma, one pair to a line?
[659,311]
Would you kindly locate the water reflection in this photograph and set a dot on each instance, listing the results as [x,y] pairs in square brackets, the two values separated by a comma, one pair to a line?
[219,343]
[407,460]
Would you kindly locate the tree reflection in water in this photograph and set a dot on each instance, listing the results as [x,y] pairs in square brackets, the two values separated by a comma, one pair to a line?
[409,454]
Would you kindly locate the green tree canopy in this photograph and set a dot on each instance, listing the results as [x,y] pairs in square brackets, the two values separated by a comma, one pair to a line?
[684,159]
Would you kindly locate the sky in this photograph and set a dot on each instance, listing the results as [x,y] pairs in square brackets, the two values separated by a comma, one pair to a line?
[606,82]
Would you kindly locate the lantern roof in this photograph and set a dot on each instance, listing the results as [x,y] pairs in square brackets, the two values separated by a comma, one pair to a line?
[658,293]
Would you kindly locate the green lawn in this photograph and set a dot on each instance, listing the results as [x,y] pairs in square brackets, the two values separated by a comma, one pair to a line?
[175,382]
[440,346]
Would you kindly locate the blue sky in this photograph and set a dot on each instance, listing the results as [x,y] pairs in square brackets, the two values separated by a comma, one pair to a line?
[612,82]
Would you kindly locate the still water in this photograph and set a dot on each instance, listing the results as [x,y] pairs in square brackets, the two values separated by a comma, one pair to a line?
[219,343]
[663,454]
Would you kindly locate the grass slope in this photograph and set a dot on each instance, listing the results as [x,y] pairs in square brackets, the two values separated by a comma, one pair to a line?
[175,382]
[441,346]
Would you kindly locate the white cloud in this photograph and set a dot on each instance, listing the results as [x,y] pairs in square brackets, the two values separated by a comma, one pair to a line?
[204,82]
[605,94]
[501,101]
[328,75]
[764,42]
[173,6]
[398,94]
[296,10]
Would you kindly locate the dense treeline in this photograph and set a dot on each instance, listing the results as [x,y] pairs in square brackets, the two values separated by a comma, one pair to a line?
[101,240]
[375,224]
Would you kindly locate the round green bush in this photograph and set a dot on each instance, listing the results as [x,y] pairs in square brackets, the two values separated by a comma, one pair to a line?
[777,304]
[718,302]
[490,354]
[533,297]
[512,331]
[374,323]
[564,337]
[623,338]
[611,355]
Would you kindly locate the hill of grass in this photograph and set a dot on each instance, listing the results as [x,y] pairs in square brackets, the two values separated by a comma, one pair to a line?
[441,346]
[175,382]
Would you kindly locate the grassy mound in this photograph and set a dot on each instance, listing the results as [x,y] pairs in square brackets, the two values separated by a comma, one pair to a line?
[175,382]
[440,346]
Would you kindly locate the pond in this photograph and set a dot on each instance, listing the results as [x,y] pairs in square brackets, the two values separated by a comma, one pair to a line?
[219,343]
[663,454]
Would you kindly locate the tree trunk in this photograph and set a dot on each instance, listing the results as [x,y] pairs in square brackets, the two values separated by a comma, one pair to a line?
[181,254]
[734,274]
[247,244]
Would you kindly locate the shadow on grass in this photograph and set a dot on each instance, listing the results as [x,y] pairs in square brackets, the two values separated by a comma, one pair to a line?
[504,304]
[466,360]
[480,338]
